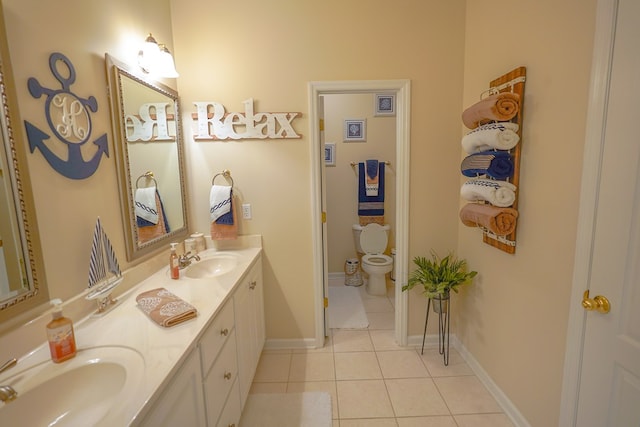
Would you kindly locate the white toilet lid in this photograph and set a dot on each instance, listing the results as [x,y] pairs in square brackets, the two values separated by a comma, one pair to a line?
[373,239]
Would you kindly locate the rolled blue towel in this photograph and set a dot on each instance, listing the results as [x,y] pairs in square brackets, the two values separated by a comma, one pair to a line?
[495,164]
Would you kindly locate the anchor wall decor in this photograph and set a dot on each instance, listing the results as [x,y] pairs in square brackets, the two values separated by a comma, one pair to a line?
[69,119]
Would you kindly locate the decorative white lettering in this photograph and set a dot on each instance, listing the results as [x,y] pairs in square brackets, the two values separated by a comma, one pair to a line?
[248,125]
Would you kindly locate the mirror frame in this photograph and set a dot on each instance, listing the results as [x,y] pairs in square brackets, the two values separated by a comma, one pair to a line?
[115,71]
[14,151]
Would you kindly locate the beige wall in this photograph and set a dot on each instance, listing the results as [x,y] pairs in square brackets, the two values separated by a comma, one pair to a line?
[342,179]
[514,318]
[228,52]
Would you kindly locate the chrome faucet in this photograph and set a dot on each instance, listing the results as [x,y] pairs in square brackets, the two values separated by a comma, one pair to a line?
[185,260]
[7,393]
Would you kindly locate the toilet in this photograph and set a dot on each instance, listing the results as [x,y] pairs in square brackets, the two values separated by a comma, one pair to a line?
[371,241]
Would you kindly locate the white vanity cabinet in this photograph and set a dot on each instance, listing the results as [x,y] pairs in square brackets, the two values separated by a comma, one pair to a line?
[248,302]
[211,386]
[182,400]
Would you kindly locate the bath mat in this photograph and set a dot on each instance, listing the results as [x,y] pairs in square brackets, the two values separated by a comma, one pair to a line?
[308,409]
[345,308]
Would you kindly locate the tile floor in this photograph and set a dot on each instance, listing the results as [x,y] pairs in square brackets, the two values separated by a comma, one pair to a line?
[375,383]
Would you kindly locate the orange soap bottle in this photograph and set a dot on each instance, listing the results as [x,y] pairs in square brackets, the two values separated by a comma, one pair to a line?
[174,262]
[62,342]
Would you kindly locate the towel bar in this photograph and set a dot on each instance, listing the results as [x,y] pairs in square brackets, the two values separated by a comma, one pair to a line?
[356,163]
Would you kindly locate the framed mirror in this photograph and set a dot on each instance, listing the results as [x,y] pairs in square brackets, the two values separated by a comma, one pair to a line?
[150,159]
[22,278]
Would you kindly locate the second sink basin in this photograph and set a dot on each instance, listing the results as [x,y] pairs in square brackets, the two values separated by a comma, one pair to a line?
[212,266]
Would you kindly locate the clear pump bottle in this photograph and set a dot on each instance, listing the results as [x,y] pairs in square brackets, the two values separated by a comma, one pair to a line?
[174,262]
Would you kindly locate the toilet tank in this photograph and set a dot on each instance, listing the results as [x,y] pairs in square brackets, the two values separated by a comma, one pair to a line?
[357,229]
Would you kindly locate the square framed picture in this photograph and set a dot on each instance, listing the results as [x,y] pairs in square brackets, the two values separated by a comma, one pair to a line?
[385,105]
[330,154]
[355,130]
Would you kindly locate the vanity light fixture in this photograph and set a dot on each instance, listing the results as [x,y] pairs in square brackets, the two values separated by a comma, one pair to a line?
[156,59]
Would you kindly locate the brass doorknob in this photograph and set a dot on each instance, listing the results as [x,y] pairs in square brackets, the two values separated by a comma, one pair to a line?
[598,303]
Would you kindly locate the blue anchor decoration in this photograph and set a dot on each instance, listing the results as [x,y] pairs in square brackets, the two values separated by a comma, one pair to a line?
[69,118]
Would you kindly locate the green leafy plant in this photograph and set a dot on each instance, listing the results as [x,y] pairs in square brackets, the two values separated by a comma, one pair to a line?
[439,275]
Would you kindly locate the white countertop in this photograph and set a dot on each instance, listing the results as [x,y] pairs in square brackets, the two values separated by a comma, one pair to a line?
[163,349]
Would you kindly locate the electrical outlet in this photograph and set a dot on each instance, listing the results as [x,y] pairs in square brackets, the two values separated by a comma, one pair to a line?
[246,211]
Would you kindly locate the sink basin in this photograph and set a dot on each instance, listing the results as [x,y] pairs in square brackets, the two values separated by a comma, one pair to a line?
[212,266]
[90,389]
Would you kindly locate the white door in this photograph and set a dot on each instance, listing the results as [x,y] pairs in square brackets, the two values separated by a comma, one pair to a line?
[609,386]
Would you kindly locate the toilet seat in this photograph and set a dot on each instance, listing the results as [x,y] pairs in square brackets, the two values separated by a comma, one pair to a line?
[373,239]
[377,259]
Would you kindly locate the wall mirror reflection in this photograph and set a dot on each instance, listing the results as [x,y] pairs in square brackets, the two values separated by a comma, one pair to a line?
[22,279]
[149,154]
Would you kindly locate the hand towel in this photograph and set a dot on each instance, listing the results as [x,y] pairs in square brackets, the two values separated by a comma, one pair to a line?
[165,308]
[495,164]
[145,204]
[148,230]
[500,107]
[219,201]
[370,205]
[371,184]
[500,221]
[499,136]
[498,193]
[226,227]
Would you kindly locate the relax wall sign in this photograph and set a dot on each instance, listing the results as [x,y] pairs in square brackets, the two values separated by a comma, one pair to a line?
[212,122]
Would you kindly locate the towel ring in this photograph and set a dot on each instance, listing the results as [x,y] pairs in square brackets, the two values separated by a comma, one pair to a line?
[226,174]
[147,175]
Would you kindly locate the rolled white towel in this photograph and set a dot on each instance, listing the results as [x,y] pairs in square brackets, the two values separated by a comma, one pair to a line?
[498,193]
[492,136]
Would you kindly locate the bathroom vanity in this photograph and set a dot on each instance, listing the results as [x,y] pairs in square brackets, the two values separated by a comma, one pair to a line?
[131,371]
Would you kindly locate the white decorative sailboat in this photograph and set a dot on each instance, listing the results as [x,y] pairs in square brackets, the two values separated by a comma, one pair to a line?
[104,270]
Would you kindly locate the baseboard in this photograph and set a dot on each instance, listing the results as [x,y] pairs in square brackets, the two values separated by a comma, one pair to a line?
[290,344]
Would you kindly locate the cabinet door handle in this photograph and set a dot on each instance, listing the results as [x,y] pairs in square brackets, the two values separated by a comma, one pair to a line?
[252,284]
[227,375]
[224,332]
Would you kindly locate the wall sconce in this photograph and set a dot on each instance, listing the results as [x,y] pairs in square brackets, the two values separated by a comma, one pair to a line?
[156,59]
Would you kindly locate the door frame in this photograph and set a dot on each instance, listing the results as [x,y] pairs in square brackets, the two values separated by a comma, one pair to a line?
[606,14]
[402,89]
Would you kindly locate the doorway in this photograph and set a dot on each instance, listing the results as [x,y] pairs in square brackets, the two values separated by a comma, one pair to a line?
[401,90]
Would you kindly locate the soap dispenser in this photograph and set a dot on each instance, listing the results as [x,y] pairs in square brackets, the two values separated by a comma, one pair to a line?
[62,342]
[174,262]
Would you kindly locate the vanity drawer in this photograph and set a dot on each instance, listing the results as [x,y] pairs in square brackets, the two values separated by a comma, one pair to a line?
[216,336]
[220,379]
[230,416]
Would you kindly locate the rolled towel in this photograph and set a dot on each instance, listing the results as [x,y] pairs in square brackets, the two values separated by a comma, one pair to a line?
[499,136]
[496,164]
[500,107]
[165,308]
[500,221]
[498,193]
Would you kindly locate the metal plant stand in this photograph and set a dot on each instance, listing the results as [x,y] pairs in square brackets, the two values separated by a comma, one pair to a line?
[444,311]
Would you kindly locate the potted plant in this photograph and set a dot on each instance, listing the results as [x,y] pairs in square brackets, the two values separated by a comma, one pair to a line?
[438,276]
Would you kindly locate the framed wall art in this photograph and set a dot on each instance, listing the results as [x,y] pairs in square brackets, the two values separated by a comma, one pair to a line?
[355,130]
[385,105]
[330,154]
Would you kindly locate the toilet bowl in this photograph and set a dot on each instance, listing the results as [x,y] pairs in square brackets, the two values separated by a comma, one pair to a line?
[371,241]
